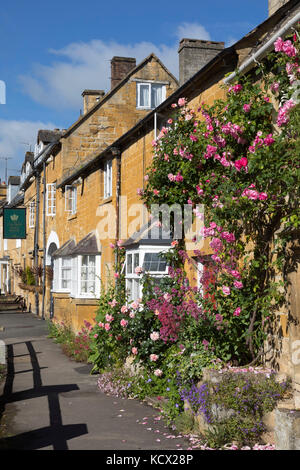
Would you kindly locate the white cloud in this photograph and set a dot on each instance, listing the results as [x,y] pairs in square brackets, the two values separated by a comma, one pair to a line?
[82,65]
[14,135]
[192,31]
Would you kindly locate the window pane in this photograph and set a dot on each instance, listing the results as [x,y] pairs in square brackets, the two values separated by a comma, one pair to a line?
[129,264]
[136,260]
[153,262]
[136,291]
[156,95]
[144,96]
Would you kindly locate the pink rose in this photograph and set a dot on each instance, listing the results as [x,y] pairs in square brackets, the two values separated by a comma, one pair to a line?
[158,373]
[262,196]
[182,102]
[153,357]
[138,270]
[107,326]
[154,336]
[237,312]
[124,309]
[109,318]
[135,305]
[247,108]
[238,284]
[226,290]
[235,274]
[134,350]
[123,323]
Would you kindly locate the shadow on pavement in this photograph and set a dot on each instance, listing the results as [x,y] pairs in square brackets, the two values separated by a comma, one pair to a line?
[56,434]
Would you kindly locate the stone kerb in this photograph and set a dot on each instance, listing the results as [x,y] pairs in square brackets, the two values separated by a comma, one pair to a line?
[2,353]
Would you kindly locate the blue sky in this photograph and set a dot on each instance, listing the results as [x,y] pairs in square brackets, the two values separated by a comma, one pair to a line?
[51,51]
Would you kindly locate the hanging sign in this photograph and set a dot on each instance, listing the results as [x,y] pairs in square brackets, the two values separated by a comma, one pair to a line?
[14,223]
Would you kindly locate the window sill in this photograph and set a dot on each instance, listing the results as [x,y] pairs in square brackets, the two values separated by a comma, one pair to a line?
[106,200]
[85,301]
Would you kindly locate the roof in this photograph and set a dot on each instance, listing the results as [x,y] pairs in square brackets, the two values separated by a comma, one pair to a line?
[14,180]
[87,246]
[149,234]
[65,250]
[115,89]
[48,136]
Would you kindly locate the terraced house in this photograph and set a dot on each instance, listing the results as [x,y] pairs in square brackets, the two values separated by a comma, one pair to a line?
[81,188]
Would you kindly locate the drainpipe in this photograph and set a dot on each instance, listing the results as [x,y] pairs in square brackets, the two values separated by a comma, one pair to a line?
[155,126]
[44,240]
[117,154]
[36,241]
[265,48]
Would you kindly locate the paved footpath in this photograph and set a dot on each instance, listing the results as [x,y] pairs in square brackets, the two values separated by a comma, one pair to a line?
[50,402]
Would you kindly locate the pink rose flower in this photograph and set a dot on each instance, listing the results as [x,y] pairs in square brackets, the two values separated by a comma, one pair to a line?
[226,290]
[154,335]
[109,318]
[182,102]
[124,309]
[135,305]
[153,357]
[138,270]
[107,326]
[237,312]
[134,351]
[238,284]
[247,108]
[123,323]
[158,373]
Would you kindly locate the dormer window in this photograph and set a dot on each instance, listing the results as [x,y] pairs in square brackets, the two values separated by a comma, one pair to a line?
[150,94]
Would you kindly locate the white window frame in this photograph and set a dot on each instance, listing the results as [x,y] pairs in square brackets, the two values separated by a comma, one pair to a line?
[71,199]
[107,177]
[31,214]
[149,84]
[65,266]
[95,280]
[51,199]
[132,279]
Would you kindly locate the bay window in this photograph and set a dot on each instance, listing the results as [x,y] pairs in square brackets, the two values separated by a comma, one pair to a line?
[87,275]
[65,274]
[151,262]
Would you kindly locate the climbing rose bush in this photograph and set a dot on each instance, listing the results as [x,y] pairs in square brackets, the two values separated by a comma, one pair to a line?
[240,159]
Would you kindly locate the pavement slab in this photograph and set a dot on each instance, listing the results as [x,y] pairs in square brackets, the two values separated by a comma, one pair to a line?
[50,402]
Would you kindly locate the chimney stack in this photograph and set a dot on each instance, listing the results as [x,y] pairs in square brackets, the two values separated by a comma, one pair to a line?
[120,67]
[274,5]
[194,54]
[91,97]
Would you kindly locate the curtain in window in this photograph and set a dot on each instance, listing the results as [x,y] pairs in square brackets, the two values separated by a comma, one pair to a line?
[156,95]
[144,96]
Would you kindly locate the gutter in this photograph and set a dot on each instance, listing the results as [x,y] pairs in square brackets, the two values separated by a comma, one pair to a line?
[262,51]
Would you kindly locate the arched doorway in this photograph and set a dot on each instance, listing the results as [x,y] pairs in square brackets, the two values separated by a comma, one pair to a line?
[50,268]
